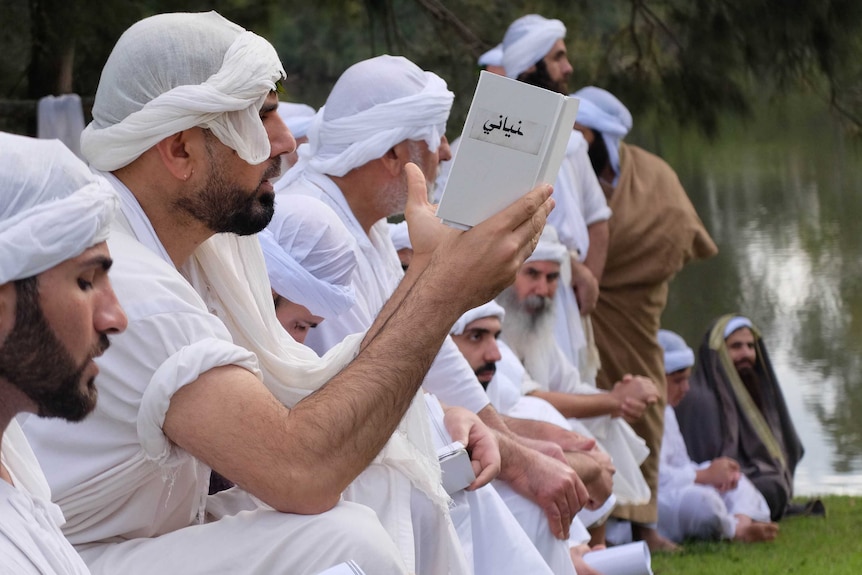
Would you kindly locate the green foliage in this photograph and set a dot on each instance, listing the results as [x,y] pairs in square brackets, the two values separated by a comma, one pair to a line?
[690,61]
[825,546]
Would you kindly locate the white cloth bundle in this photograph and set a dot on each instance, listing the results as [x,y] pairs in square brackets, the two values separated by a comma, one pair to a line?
[600,110]
[219,82]
[309,256]
[52,207]
[677,354]
[490,309]
[375,104]
[528,40]
[62,118]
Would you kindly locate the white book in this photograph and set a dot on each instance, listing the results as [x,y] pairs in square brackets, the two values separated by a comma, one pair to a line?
[514,138]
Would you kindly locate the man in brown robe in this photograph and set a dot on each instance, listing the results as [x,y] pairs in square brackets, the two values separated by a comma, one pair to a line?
[654,231]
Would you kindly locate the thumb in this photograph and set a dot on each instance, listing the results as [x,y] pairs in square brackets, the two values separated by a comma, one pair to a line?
[417,190]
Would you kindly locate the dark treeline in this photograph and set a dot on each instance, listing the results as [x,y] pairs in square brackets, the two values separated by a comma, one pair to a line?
[689,61]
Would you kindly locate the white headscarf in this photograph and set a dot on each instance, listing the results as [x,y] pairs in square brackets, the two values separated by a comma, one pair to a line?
[528,40]
[374,105]
[309,256]
[490,309]
[52,207]
[735,323]
[600,110]
[216,76]
[549,248]
[677,354]
[297,117]
[493,57]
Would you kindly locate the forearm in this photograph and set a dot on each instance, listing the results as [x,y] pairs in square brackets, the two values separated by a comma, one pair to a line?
[417,267]
[579,406]
[599,233]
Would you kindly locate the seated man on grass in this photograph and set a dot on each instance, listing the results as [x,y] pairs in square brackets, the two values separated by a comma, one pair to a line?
[710,500]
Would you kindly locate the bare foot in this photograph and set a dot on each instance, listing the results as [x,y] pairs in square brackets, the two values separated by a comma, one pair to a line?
[654,541]
[754,531]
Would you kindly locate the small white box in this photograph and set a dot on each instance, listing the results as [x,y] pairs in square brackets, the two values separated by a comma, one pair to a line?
[456,467]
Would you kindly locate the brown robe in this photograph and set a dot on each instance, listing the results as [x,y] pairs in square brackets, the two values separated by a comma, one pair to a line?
[654,231]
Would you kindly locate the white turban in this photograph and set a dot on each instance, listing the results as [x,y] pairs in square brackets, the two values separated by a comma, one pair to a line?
[493,57]
[677,354]
[602,111]
[549,248]
[52,207]
[400,236]
[297,117]
[172,72]
[309,256]
[374,105]
[735,323]
[528,40]
[490,309]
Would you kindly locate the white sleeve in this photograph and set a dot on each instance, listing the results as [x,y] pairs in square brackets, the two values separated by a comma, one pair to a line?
[594,205]
[453,382]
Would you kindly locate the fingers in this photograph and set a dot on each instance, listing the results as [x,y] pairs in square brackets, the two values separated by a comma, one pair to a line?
[555,521]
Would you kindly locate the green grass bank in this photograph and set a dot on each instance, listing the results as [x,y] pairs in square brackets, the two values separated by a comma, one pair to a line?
[830,545]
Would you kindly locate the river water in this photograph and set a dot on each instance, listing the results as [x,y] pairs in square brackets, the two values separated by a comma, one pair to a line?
[781,195]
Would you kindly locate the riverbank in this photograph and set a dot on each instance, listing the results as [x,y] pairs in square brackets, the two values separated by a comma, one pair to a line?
[818,545]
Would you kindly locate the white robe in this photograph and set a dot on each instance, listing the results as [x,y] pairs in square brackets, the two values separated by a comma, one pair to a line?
[580,203]
[551,371]
[450,378]
[135,503]
[688,509]
[31,542]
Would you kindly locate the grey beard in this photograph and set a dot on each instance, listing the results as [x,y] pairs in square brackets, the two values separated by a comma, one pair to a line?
[530,334]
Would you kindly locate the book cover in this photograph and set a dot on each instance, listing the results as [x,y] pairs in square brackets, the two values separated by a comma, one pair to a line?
[514,138]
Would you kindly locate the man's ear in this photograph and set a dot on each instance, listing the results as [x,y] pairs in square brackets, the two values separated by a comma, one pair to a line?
[179,151]
[7,309]
[395,158]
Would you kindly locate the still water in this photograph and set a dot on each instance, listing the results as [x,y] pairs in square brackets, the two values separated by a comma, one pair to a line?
[781,195]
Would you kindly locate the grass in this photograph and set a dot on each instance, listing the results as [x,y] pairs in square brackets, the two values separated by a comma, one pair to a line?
[816,545]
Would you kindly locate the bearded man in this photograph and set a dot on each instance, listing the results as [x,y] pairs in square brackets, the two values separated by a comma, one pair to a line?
[186,129]
[57,309]
[736,409]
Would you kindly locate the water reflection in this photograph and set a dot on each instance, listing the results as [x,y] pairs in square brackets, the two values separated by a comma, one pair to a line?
[782,200]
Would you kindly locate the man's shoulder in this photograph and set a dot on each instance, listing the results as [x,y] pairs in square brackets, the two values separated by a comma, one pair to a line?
[145,283]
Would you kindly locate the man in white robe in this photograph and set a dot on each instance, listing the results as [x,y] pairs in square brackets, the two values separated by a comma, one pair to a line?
[186,129]
[534,52]
[382,113]
[527,330]
[709,500]
[57,309]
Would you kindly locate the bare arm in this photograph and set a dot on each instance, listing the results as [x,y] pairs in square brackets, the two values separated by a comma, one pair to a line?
[550,483]
[300,460]
[586,405]
[599,233]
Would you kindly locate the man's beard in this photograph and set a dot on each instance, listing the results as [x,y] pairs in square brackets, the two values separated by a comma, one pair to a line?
[489,367]
[34,360]
[598,152]
[223,206]
[541,78]
[752,381]
[528,328]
